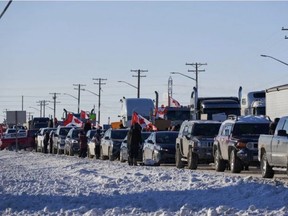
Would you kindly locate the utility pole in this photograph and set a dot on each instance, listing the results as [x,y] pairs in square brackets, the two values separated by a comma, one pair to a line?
[285,29]
[43,103]
[54,107]
[170,89]
[139,76]
[100,83]
[196,65]
[79,89]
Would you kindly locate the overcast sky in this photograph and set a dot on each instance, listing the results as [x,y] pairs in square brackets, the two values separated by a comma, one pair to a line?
[46,47]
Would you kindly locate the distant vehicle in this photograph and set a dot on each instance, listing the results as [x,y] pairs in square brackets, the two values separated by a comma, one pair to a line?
[194,143]
[59,139]
[24,142]
[90,134]
[40,138]
[236,144]
[38,122]
[94,146]
[72,144]
[143,106]
[124,148]
[159,148]
[254,103]
[111,142]
[273,149]
[214,108]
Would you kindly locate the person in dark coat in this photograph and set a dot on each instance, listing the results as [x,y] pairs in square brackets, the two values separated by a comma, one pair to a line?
[83,144]
[133,143]
[46,141]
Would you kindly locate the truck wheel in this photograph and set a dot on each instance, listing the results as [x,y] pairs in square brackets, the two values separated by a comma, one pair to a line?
[220,164]
[71,153]
[178,157]
[121,157]
[266,169]
[235,162]
[192,160]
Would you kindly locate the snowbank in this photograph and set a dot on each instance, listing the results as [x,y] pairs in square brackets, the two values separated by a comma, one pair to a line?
[42,184]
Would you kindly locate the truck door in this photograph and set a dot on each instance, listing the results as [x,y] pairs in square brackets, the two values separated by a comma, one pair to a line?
[186,139]
[280,147]
[224,141]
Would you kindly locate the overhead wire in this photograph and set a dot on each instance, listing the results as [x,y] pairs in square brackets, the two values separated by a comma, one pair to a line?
[5,9]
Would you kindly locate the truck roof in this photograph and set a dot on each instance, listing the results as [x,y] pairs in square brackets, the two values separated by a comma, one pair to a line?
[249,119]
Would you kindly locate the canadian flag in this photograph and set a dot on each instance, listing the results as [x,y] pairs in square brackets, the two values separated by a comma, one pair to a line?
[174,103]
[142,121]
[84,115]
[72,120]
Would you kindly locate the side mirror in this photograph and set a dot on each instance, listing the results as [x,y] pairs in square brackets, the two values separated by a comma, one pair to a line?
[106,138]
[282,133]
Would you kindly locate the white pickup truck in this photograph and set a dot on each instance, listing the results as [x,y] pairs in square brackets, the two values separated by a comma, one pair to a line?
[273,149]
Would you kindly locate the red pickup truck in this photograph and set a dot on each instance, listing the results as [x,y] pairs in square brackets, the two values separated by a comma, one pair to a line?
[24,142]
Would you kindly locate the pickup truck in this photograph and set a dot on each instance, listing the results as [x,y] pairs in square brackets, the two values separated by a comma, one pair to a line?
[273,149]
[24,142]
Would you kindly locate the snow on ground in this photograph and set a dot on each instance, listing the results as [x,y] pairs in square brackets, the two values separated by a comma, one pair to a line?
[43,184]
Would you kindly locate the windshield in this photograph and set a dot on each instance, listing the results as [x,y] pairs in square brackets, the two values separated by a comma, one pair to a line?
[118,134]
[178,115]
[242,129]
[64,131]
[209,130]
[166,138]
[145,135]
[75,134]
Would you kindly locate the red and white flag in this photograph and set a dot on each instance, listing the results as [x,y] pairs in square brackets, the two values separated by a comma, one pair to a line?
[84,115]
[142,121]
[174,103]
[72,120]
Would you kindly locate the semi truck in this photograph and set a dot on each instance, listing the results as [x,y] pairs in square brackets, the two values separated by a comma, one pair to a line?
[254,103]
[214,108]
[142,106]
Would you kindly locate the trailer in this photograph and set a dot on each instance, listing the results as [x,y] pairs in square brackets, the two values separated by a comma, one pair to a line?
[276,101]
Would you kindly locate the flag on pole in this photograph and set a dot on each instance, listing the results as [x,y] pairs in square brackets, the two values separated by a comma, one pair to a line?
[84,115]
[72,120]
[142,121]
[174,103]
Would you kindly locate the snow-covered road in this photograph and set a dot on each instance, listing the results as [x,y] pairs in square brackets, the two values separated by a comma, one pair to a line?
[42,184]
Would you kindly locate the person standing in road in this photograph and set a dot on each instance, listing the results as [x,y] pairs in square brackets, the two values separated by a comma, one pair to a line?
[83,144]
[45,141]
[133,143]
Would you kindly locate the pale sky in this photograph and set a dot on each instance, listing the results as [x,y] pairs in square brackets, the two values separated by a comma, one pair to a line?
[46,47]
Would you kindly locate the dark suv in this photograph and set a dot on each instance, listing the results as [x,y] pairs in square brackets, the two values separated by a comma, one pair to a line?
[236,145]
[195,142]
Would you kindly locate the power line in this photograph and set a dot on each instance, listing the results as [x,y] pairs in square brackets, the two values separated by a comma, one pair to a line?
[5,8]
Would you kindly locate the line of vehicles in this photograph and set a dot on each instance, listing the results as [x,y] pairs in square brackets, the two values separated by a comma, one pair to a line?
[231,132]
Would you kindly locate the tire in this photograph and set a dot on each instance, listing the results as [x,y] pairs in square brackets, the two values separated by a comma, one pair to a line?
[235,162]
[121,157]
[97,152]
[110,154]
[220,164]
[71,153]
[154,159]
[179,163]
[143,158]
[89,153]
[12,147]
[192,160]
[102,157]
[266,169]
